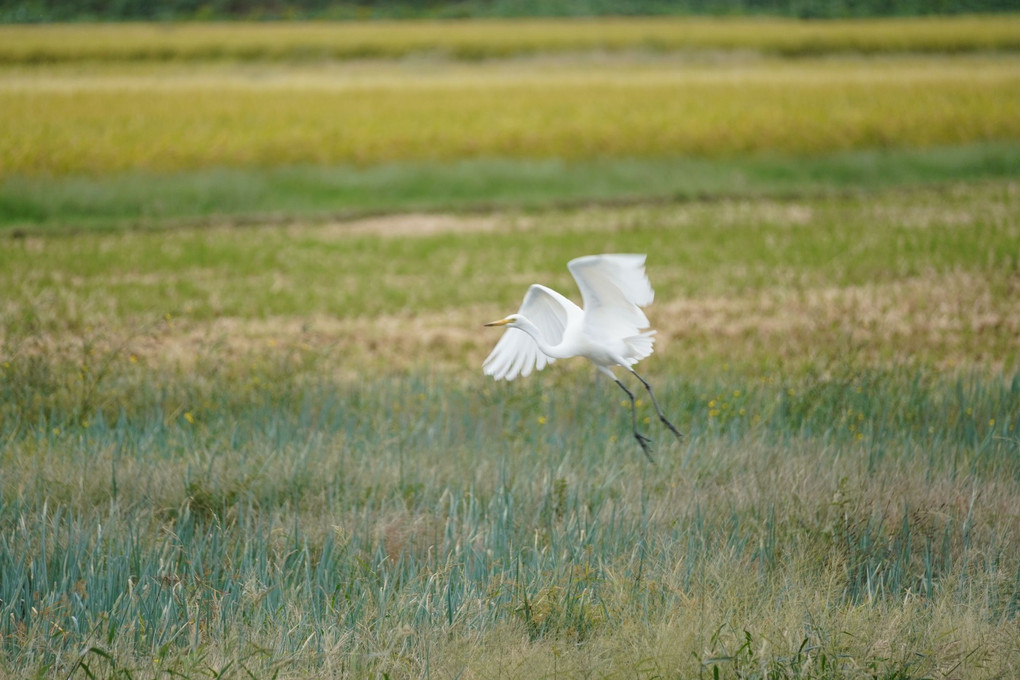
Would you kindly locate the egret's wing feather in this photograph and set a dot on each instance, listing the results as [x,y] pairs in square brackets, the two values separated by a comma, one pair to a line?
[614,288]
[516,352]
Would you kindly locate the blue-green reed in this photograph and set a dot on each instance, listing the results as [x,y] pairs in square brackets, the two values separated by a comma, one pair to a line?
[300,525]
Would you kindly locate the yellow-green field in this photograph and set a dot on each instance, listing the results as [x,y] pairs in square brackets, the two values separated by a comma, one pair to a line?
[486,39]
[60,120]
[110,98]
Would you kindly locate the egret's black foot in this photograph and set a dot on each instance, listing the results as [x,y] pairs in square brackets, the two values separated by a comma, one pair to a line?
[672,427]
[644,442]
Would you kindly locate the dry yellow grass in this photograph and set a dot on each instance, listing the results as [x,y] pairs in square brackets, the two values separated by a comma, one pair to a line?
[95,121]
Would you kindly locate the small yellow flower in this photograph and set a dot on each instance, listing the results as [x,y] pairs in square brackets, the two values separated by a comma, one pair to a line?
[711,404]
[542,420]
[736,393]
[860,436]
[85,422]
[56,430]
[637,403]
[647,420]
[189,417]
[991,423]
[7,364]
[133,359]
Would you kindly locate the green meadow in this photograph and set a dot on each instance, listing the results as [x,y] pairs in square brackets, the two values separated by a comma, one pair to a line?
[244,431]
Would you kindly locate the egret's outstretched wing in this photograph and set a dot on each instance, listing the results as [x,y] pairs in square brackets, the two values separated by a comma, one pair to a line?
[614,288]
[516,353]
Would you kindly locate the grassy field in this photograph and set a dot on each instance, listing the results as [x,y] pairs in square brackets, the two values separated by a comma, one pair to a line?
[270,450]
[897,260]
[169,118]
[243,427]
[221,196]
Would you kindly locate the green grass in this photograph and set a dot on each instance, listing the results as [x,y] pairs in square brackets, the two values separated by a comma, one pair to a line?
[435,526]
[269,451]
[875,270]
[138,199]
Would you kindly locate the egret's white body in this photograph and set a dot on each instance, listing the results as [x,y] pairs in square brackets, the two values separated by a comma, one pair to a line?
[610,331]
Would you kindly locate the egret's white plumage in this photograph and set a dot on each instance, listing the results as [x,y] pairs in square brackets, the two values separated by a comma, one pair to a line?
[610,331]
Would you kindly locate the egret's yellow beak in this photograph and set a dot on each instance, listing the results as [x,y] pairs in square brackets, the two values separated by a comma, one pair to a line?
[501,322]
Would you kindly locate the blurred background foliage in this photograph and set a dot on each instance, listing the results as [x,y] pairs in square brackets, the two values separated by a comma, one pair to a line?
[21,11]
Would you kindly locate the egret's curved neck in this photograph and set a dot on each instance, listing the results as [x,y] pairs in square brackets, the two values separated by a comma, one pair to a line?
[531,329]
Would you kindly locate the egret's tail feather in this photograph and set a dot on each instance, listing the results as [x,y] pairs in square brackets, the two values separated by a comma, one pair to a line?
[639,346]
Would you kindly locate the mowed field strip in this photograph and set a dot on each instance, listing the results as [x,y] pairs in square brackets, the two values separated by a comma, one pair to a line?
[923,275]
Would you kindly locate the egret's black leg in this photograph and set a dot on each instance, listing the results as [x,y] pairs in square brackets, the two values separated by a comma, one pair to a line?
[658,410]
[642,440]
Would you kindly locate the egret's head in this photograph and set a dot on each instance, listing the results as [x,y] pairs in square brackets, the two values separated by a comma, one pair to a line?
[508,321]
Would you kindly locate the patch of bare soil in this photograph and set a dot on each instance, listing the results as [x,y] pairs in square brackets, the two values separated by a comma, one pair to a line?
[411,224]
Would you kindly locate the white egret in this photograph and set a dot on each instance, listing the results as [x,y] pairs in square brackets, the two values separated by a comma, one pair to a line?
[610,331]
